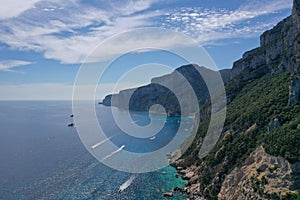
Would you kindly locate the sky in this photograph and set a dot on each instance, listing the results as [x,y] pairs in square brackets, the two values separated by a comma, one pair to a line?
[43,44]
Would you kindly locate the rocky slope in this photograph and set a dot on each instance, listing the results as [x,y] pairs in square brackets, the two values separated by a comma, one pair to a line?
[263,108]
[261,176]
[259,115]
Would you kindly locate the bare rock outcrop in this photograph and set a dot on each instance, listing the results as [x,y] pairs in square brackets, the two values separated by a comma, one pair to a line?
[259,177]
[278,51]
[294,96]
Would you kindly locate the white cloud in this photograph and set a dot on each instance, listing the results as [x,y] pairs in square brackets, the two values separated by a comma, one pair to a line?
[13,8]
[8,65]
[75,49]
[47,36]
[208,26]
[267,6]
[67,31]
[129,7]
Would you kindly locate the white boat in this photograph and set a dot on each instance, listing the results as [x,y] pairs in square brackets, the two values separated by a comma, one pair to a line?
[152,138]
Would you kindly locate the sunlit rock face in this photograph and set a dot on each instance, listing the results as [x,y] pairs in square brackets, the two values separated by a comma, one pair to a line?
[278,51]
[259,176]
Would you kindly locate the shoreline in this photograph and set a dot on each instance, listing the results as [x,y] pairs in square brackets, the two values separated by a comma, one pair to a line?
[184,171]
[191,188]
[173,184]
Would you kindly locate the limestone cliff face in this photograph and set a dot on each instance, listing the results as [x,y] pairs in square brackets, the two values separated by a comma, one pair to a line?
[295,79]
[278,51]
[259,177]
[167,89]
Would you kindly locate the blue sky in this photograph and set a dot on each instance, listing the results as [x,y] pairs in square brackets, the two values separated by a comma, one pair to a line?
[43,43]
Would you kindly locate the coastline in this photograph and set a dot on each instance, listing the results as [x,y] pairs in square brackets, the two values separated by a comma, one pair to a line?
[191,188]
[184,170]
[174,183]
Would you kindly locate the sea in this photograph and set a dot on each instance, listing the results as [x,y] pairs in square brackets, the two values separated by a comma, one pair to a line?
[42,158]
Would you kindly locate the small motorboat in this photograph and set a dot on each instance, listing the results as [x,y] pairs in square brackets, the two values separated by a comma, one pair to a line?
[152,138]
[70,124]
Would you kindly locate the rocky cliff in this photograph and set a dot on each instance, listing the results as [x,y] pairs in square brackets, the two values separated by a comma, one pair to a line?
[142,98]
[279,51]
[263,88]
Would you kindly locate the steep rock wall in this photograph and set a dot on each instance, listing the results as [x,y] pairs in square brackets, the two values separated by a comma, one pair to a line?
[278,51]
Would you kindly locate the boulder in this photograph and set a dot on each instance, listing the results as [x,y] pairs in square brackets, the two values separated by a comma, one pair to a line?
[168,194]
[188,175]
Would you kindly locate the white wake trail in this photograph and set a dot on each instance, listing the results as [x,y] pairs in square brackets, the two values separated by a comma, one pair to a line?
[127,183]
[101,142]
[114,152]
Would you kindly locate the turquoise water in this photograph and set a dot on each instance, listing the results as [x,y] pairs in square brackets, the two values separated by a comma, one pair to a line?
[42,158]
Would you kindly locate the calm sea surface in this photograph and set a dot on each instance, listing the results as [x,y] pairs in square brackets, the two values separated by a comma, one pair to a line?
[42,158]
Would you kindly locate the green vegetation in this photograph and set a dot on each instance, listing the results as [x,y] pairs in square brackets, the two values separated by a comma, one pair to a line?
[285,141]
[258,103]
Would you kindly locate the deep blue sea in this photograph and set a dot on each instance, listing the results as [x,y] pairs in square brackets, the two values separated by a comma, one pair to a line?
[42,158]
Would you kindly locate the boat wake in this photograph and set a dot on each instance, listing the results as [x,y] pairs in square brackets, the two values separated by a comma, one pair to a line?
[101,142]
[127,183]
[114,152]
